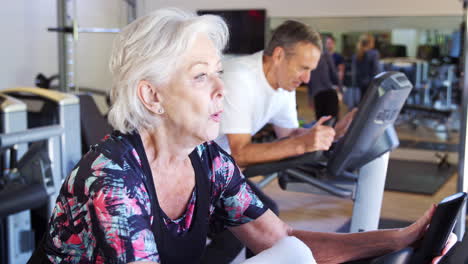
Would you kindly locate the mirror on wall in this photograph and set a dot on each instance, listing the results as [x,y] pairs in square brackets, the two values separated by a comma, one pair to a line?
[423,36]
[426,48]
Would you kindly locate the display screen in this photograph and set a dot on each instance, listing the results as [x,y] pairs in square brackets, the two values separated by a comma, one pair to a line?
[246,29]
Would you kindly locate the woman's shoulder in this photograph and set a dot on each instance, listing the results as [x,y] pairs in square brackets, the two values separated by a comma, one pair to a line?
[105,192]
[116,147]
[210,151]
[109,162]
[221,169]
[218,161]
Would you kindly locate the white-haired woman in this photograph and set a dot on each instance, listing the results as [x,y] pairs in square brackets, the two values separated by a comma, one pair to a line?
[148,192]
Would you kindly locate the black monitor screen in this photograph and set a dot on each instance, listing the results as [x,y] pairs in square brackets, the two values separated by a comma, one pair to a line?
[377,112]
[246,29]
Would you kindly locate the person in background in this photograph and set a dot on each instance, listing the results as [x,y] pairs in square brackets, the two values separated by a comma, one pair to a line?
[261,90]
[365,62]
[321,92]
[330,45]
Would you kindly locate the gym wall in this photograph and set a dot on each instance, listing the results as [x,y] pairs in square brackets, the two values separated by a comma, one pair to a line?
[26,47]
[303,8]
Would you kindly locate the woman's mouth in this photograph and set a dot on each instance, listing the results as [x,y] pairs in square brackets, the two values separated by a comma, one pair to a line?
[216,116]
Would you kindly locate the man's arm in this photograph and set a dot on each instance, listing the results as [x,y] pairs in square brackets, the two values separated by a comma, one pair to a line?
[263,232]
[282,132]
[245,152]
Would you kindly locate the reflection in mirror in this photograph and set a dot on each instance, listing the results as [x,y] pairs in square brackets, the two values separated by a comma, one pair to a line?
[426,48]
[409,32]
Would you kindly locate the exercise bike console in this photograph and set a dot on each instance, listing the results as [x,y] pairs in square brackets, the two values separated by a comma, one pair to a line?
[442,224]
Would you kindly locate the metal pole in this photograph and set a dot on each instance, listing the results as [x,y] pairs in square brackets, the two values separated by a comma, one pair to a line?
[67,32]
[369,195]
[65,46]
[131,10]
[462,168]
[61,21]
[98,30]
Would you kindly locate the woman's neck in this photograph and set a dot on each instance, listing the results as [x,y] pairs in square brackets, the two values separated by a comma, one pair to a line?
[165,149]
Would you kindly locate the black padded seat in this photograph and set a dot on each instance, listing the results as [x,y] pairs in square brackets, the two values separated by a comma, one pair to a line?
[94,125]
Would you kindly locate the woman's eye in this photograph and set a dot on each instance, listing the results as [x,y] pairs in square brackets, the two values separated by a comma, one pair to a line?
[201,77]
[220,73]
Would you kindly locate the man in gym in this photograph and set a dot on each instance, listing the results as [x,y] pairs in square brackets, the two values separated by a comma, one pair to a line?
[260,89]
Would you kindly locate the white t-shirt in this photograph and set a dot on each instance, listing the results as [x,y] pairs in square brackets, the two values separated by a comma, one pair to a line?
[250,102]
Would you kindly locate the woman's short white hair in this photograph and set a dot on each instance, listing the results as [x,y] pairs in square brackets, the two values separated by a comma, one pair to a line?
[150,49]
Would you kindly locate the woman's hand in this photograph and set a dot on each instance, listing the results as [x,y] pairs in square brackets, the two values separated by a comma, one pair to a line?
[416,231]
[412,234]
[450,243]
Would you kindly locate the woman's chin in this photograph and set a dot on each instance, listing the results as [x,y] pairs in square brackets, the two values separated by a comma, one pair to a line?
[212,134]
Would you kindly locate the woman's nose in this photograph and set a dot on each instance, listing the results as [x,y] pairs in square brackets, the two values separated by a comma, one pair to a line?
[219,88]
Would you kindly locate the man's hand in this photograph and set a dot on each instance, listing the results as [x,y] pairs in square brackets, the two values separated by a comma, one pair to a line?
[342,126]
[319,137]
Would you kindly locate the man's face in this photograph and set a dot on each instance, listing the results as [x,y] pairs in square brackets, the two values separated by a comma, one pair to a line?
[330,45]
[296,65]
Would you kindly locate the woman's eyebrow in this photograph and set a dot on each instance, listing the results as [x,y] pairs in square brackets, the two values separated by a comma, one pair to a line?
[195,63]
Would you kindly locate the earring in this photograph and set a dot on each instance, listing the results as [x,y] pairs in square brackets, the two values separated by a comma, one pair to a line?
[160,111]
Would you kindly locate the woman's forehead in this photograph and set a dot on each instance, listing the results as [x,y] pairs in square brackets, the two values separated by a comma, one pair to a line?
[202,51]
[203,63]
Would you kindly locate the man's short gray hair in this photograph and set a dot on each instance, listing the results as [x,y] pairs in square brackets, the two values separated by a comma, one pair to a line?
[150,49]
[290,33]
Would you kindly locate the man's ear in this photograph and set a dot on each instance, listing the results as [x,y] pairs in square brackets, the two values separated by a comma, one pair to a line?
[278,54]
[149,96]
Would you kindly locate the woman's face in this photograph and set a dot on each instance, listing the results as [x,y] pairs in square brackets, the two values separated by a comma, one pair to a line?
[193,98]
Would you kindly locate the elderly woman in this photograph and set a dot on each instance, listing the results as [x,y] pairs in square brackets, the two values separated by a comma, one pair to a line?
[148,193]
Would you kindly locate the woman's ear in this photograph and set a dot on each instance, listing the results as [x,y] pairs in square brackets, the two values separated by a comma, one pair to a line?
[149,97]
